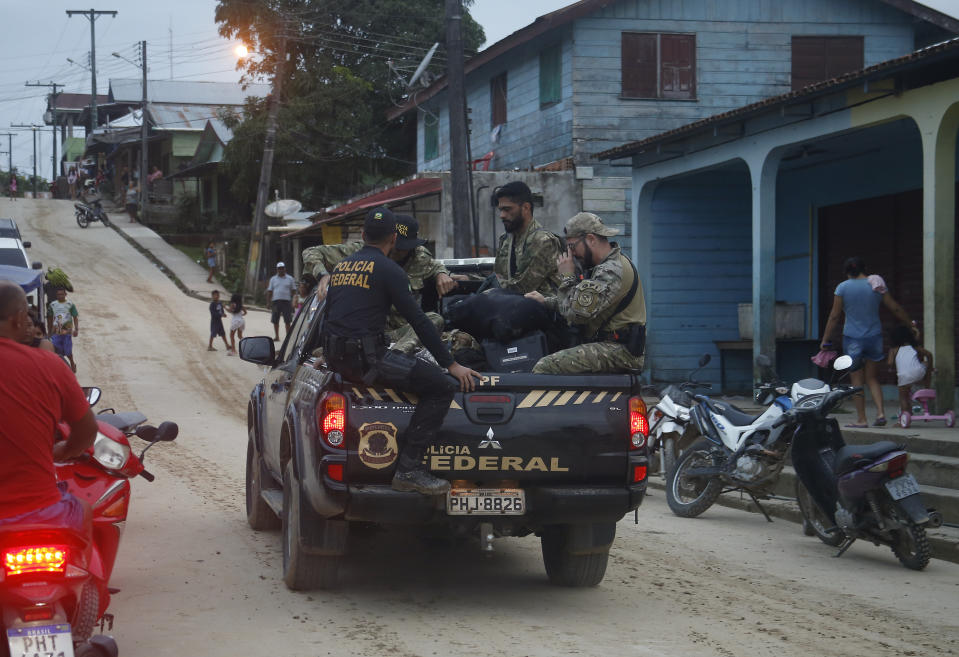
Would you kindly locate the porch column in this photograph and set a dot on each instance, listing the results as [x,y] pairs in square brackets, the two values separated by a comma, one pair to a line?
[763,170]
[938,246]
[297,260]
[641,243]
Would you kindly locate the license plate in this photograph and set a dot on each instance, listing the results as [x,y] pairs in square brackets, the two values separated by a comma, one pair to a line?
[486,502]
[901,487]
[41,641]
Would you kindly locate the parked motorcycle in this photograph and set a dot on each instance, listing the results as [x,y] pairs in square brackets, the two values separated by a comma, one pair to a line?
[670,430]
[848,492]
[86,214]
[54,585]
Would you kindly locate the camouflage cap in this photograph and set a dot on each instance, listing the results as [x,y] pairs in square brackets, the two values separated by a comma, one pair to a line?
[585,223]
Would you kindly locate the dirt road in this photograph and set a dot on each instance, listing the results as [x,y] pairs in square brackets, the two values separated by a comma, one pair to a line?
[196,580]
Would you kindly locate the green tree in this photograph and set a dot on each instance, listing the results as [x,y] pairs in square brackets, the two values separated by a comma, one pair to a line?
[333,139]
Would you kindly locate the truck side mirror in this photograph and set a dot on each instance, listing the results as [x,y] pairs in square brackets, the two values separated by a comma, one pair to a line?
[259,350]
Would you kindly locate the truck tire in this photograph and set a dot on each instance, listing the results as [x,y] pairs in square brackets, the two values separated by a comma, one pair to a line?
[566,567]
[302,571]
[259,515]
[689,498]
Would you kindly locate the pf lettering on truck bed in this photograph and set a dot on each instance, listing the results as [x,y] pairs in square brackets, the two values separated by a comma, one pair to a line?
[560,457]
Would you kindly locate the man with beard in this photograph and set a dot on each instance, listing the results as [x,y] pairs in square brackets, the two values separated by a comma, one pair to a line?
[607,304]
[526,256]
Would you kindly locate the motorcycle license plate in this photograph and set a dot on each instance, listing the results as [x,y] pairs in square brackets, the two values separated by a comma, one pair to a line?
[41,641]
[901,487]
[486,502]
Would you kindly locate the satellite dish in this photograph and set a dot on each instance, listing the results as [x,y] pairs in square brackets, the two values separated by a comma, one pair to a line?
[422,67]
[282,208]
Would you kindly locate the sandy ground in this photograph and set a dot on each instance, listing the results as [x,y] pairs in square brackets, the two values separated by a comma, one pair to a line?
[195,579]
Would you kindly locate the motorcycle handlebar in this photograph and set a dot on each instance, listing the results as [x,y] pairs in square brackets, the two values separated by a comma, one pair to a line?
[793,414]
[146,475]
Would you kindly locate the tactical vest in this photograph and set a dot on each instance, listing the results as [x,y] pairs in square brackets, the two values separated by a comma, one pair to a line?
[634,313]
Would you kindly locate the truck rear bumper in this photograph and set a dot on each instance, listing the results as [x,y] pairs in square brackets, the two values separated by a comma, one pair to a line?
[545,505]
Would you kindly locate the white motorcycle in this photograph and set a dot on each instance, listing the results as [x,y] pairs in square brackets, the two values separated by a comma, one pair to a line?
[737,451]
[670,430]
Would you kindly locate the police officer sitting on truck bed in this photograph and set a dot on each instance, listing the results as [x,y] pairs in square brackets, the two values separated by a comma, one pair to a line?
[363,287]
[607,305]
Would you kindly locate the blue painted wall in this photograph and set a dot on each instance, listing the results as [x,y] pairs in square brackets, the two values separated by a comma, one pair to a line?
[701,269]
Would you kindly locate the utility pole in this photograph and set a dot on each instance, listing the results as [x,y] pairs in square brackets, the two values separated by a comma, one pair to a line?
[92,15]
[53,118]
[9,150]
[143,134]
[266,171]
[34,128]
[459,166]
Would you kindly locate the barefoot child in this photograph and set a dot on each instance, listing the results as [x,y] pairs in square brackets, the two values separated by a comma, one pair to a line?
[216,322]
[912,363]
[237,323]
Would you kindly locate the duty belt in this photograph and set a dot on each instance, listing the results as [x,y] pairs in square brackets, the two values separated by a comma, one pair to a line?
[367,345]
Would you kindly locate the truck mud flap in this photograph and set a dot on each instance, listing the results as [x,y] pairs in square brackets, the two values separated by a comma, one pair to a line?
[326,537]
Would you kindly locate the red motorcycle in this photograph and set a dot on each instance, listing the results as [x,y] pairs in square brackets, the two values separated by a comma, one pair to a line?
[54,586]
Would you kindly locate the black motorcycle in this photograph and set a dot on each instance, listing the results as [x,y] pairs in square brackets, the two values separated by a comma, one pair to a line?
[90,213]
[848,492]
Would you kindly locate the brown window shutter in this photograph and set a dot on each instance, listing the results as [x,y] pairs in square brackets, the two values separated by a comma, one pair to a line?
[816,59]
[639,65]
[678,52]
[843,55]
[497,93]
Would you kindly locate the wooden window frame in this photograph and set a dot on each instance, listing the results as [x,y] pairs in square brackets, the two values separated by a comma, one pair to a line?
[497,83]
[658,92]
[548,95]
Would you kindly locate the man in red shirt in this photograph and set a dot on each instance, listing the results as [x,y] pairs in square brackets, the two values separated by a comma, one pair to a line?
[37,390]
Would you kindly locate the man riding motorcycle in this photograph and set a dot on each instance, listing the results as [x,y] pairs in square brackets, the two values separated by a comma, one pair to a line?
[37,390]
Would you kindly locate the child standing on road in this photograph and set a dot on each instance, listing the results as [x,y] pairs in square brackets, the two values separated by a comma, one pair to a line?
[63,324]
[216,322]
[237,323]
[912,364]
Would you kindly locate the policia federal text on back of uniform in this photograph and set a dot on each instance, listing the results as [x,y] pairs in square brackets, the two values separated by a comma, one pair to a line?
[362,289]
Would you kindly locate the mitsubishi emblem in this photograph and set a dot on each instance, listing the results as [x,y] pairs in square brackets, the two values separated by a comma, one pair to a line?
[489,442]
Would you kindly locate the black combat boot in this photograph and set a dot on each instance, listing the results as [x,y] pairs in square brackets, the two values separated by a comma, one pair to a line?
[411,475]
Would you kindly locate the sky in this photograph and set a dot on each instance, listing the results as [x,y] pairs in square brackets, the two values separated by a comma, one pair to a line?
[37,43]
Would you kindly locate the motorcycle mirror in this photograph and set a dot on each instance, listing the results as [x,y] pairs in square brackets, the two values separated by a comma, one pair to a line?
[842,363]
[147,432]
[92,394]
[167,431]
[704,360]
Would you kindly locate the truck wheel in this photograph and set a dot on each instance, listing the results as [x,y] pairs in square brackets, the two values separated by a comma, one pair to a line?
[689,497]
[259,515]
[566,567]
[302,571]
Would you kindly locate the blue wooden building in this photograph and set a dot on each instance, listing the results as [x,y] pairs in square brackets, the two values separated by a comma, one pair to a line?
[599,73]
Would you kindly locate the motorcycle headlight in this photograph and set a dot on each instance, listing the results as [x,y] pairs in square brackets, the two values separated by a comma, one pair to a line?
[109,453]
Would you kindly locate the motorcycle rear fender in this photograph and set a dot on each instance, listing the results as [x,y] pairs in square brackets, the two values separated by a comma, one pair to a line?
[913,508]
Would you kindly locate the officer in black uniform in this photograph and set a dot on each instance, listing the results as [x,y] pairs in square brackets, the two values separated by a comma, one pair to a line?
[362,289]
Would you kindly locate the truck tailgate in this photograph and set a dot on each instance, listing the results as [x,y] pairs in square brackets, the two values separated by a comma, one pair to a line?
[533,428]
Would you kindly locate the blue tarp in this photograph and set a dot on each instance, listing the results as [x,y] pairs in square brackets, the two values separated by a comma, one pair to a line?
[28,279]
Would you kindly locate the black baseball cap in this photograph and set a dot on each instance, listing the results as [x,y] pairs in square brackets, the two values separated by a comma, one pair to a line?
[380,224]
[408,229]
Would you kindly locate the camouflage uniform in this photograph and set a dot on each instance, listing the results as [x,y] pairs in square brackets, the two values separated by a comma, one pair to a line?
[419,266]
[536,252]
[591,304]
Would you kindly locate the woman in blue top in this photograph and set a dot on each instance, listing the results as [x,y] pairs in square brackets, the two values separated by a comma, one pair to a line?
[862,332]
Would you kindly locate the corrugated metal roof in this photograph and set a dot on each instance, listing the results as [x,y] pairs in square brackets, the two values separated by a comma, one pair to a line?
[185,92]
[70,101]
[946,49]
[182,117]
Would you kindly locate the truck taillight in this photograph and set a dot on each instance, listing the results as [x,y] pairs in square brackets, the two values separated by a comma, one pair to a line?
[39,559]
[331,418]
[638,424]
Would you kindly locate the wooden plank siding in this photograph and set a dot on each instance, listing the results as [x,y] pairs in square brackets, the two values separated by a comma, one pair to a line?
[743,54]
[701,268]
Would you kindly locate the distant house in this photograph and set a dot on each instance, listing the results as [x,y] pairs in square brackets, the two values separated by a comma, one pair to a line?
[599,73]
[178,116]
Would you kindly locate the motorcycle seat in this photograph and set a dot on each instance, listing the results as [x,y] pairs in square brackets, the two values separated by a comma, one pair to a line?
[851,457]
[737,416]
[125,422]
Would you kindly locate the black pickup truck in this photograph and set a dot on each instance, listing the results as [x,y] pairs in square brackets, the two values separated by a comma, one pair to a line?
[562,457]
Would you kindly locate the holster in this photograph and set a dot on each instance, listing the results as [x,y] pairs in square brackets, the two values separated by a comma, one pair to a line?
[633,337]
[356,354]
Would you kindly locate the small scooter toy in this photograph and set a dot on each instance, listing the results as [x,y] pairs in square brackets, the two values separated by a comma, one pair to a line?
[925,396]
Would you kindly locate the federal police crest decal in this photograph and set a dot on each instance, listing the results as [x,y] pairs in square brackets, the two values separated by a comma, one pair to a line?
[377,447]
